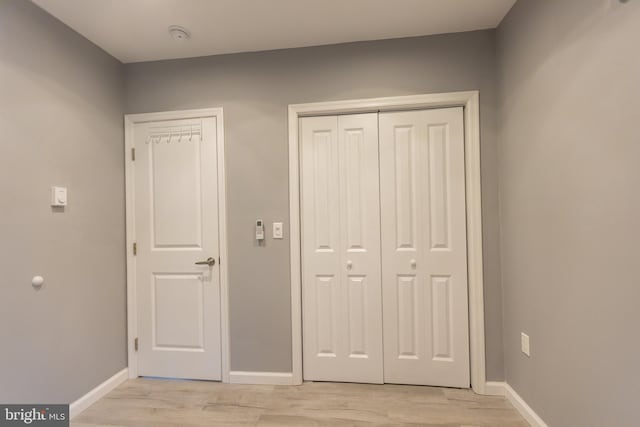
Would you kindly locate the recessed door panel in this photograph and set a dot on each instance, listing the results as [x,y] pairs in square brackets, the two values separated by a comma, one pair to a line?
[404,180]
[326,315]
[439,191]
[177,305]
[323,191]
[441,321]
[176,196]
[407,320]
[354,149]
[357,312]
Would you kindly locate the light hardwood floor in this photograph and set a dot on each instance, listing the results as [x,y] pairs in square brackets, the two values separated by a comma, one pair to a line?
[158,403]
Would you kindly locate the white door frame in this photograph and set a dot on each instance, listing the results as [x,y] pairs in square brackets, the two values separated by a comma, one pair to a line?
[470,102]
[130,120]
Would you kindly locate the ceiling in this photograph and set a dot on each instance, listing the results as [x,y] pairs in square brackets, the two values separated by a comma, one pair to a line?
[137,30]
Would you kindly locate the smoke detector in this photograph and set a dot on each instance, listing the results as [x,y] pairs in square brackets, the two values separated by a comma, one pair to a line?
[179,33]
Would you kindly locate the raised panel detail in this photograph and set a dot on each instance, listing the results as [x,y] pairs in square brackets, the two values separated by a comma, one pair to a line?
[404,202]
[177,312]
[441,317]
[322,185]
[176,196]
[357,293]
[354,139]
[439,187]
[325,313]
[407,320]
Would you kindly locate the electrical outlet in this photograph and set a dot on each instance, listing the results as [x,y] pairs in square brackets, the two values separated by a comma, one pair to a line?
[524,342]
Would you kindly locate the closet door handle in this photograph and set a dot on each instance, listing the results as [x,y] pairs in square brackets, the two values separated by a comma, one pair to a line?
[413,263]
[349,265]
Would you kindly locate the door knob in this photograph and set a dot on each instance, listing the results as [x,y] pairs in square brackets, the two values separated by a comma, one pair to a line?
[414,263]
[209,261]
[349,265]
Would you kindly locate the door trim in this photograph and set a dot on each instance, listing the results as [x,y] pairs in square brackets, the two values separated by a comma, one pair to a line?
[130,120]
[469,100]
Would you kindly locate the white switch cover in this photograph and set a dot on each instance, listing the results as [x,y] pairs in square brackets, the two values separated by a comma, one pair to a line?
[58,196]
[524,340]
[277,230]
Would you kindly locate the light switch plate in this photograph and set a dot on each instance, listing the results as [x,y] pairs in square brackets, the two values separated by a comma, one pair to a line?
[524,341]
[58,196]
[277,230]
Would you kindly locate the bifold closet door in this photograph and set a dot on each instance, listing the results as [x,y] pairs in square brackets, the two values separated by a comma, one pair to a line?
[426,336]
[341,277]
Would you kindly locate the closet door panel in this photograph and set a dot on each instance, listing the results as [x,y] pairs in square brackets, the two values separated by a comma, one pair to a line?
[360,231]
[321,238]
[342,315]
[424,248]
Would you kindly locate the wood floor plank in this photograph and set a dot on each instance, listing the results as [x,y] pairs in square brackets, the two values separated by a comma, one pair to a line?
[148,402]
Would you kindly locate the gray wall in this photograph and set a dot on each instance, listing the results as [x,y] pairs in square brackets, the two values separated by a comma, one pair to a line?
[255,89]
[570,207]
[60,124]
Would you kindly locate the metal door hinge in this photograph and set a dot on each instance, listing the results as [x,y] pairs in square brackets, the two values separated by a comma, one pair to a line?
[135,344]
[135,249]
[133,154]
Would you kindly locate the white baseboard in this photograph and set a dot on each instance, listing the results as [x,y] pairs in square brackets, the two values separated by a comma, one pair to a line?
[525,410]
[97,393]
[496,388]
[273,378]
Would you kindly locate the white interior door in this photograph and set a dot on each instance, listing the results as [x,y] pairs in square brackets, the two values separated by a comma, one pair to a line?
[426,333]
[176,226]
[340,212]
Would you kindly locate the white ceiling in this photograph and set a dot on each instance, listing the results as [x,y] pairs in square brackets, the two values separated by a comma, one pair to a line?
[136,30]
